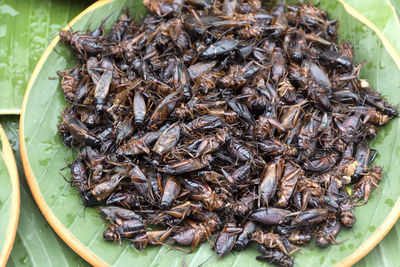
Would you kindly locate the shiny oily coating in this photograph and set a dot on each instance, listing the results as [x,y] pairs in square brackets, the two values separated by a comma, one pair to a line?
[222,121]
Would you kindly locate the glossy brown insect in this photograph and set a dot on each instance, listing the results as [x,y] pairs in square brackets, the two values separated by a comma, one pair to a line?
[328,232]
[364,187]
[151,237]
[270,240]
[244,237]
[226,239]
[274,256]
[171,191]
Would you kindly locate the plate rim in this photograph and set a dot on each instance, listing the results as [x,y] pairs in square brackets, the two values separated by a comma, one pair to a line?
[57,226]
[11,165]
[90,256]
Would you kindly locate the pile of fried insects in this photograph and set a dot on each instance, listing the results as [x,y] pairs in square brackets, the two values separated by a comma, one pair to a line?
[221,121]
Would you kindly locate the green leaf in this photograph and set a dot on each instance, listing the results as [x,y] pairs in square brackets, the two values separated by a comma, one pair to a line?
[47,156]
[36,244]
[27,26]
[396,5]
[386,254]
[8,209]
[5,200]
[381,17]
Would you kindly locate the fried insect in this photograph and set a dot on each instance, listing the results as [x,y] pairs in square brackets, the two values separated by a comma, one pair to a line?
[222,121]
[346,215]
[226,239]
[364,187]
[193,235]
[84,44]
[328,232]
[151,237]
[270,240]
[269,179]
[274,256]
[171,191]
[102,190]
[244,237]
[269,216]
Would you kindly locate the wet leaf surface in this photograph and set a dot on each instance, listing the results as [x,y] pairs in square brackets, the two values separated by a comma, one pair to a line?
[47,156]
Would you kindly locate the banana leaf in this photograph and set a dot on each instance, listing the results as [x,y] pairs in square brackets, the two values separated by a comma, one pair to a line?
[36,244]
[45,155]
[27,27]
[9,197]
